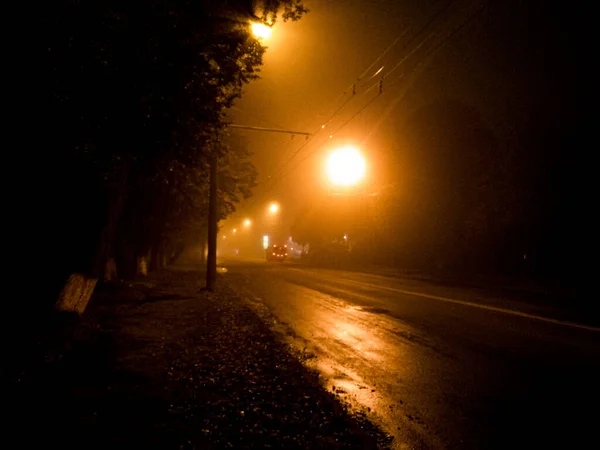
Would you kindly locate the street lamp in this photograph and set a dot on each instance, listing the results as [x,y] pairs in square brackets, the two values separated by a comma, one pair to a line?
[273,208]
[345,166]
[261,31]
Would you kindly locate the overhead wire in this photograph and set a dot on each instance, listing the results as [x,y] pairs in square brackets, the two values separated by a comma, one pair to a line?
[429,36]
[429,53]
[278,173]
[343,125]
[431,21]
[366,71]
[485,3]
[381,55]
[318,130]
[353,87]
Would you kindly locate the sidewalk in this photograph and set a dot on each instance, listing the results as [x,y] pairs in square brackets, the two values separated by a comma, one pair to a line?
[160,364]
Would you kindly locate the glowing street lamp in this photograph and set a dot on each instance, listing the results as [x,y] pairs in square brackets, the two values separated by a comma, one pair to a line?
[345,166]
[273,208]
[234,230]
[247,223]
[261,31]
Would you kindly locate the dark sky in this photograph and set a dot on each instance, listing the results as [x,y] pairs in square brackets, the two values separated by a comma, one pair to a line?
[512,61]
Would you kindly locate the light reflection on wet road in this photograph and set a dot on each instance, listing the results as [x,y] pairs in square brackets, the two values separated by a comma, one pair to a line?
[437,367]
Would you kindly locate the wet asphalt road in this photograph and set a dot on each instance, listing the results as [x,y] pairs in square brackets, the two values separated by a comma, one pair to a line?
[438,366]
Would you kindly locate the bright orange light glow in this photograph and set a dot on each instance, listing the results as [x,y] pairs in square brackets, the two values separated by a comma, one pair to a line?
[273,208]
[234,230]
[345,166]
[261,31]
[247,222]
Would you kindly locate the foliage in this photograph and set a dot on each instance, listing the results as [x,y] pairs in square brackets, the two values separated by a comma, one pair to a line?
[134,97]
[237,175]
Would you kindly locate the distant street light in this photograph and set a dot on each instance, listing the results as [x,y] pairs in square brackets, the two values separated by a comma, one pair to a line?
[261,31]
[273,208]
[345,166]
[234,230]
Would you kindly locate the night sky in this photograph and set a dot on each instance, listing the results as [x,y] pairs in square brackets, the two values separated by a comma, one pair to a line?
[511,64]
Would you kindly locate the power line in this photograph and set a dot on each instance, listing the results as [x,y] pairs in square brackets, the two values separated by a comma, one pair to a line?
[278,173]
[430,52]
[438,14]
[429,36]
[353,87]
[389,47]
[460,27]
[299,149]
[445,40]
[381,55]
[424,60]
[343,125]
[365,106]
[379,83]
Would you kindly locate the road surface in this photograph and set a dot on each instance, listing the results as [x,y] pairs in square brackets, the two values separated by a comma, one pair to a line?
[436,366]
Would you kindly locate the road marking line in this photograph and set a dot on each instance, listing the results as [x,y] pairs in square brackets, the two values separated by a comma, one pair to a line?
[474,305]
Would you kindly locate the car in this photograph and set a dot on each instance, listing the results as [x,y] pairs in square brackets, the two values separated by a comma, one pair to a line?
[276,253]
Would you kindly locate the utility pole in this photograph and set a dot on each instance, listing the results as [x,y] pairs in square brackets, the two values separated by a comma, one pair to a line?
[213,219]
[213,210]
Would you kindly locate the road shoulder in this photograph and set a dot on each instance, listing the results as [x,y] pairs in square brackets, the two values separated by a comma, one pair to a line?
[163,364]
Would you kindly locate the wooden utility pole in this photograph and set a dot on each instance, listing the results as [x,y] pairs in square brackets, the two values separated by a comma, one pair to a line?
[213,220]
[213,210]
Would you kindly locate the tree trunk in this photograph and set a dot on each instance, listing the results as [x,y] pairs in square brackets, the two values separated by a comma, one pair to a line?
[202,247]
[157,256]
[154,258]
[110,270]
[177,253]
[142,266]
[78,289]
[213,219]
[126,260]
[106,246]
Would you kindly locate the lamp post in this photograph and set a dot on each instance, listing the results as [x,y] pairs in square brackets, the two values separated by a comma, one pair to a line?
[213,219]
[261,32]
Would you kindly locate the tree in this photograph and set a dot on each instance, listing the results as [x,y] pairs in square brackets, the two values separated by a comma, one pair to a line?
[134,102]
